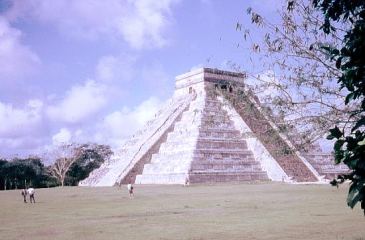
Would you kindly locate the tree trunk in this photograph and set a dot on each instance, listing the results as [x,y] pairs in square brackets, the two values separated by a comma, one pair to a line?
[62,181]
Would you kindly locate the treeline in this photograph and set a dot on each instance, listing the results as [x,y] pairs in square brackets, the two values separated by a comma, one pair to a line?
[71,164]
[18,173]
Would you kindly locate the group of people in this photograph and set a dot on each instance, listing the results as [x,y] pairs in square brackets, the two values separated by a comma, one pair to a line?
[30,192]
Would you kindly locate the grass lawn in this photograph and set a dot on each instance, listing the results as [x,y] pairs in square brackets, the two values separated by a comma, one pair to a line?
[239,211]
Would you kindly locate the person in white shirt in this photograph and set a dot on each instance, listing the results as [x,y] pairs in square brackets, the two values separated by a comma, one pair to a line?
[130,190]
[31,192]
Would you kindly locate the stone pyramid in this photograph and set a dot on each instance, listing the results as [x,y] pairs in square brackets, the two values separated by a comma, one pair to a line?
[211,130]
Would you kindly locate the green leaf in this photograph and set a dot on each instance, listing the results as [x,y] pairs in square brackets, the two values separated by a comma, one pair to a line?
[338,62]
[334,51]
[335,133]
[359,123]
[338,145]
[349,97]
[361,143]
[353,196]
[339,157]
[330,137]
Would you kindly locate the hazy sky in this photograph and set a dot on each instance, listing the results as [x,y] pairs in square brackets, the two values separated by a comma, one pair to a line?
[95,71]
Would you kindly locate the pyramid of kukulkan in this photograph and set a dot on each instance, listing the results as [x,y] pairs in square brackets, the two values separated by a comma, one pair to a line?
[212,130]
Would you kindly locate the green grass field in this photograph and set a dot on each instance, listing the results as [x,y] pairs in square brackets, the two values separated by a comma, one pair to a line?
[240,211]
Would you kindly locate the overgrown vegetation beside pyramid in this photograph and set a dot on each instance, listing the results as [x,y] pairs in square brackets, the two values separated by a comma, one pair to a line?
[212,130]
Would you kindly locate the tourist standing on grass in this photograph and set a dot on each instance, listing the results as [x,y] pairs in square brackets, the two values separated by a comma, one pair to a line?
[24,194]
[130,190]
[31,193]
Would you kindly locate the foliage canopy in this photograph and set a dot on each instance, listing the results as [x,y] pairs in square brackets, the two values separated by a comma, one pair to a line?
[350,60]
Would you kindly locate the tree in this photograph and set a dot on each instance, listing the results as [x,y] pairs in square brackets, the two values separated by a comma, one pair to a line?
[90,157]
[23,173]
[350,61]
[66,155]
[296,72]
[3,174]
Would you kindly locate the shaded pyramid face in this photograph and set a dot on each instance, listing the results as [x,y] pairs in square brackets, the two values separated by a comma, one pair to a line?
[209,131]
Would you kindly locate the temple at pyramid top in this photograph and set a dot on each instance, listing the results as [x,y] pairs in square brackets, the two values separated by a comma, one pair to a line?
[209,75]
[211,130]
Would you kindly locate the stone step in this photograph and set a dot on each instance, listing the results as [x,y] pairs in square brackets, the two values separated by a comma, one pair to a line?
[199,152]
[212,100]
[227,170]
[246,161]
[167,157]
[172,167]
[226,167]
[224,153]
[221,144]
[185,141]
[220,114]
[227,177]
[173,178]
[215,118]
[214,108]
[189,115]
[213,128]
[177,146]
[187,125]
[219,133]
[203,143]
[216,124]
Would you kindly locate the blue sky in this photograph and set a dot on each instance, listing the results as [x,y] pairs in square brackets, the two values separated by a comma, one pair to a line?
[95,71]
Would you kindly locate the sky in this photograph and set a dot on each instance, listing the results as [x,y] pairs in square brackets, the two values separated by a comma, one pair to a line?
[96,71]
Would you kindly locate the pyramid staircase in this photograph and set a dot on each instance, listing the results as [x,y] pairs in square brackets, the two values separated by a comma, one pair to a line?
[204,147]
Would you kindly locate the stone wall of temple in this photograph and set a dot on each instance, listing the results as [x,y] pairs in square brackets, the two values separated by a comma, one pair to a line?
[283,152]
[324,164]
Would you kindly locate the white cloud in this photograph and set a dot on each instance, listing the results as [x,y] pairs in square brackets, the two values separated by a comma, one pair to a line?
[80,103]
[115,68]
[21,128]
[119,125]
[63,136]
[21,146]
[145,20]
[17,122]
[140,23]
[16,59]
[75,114]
